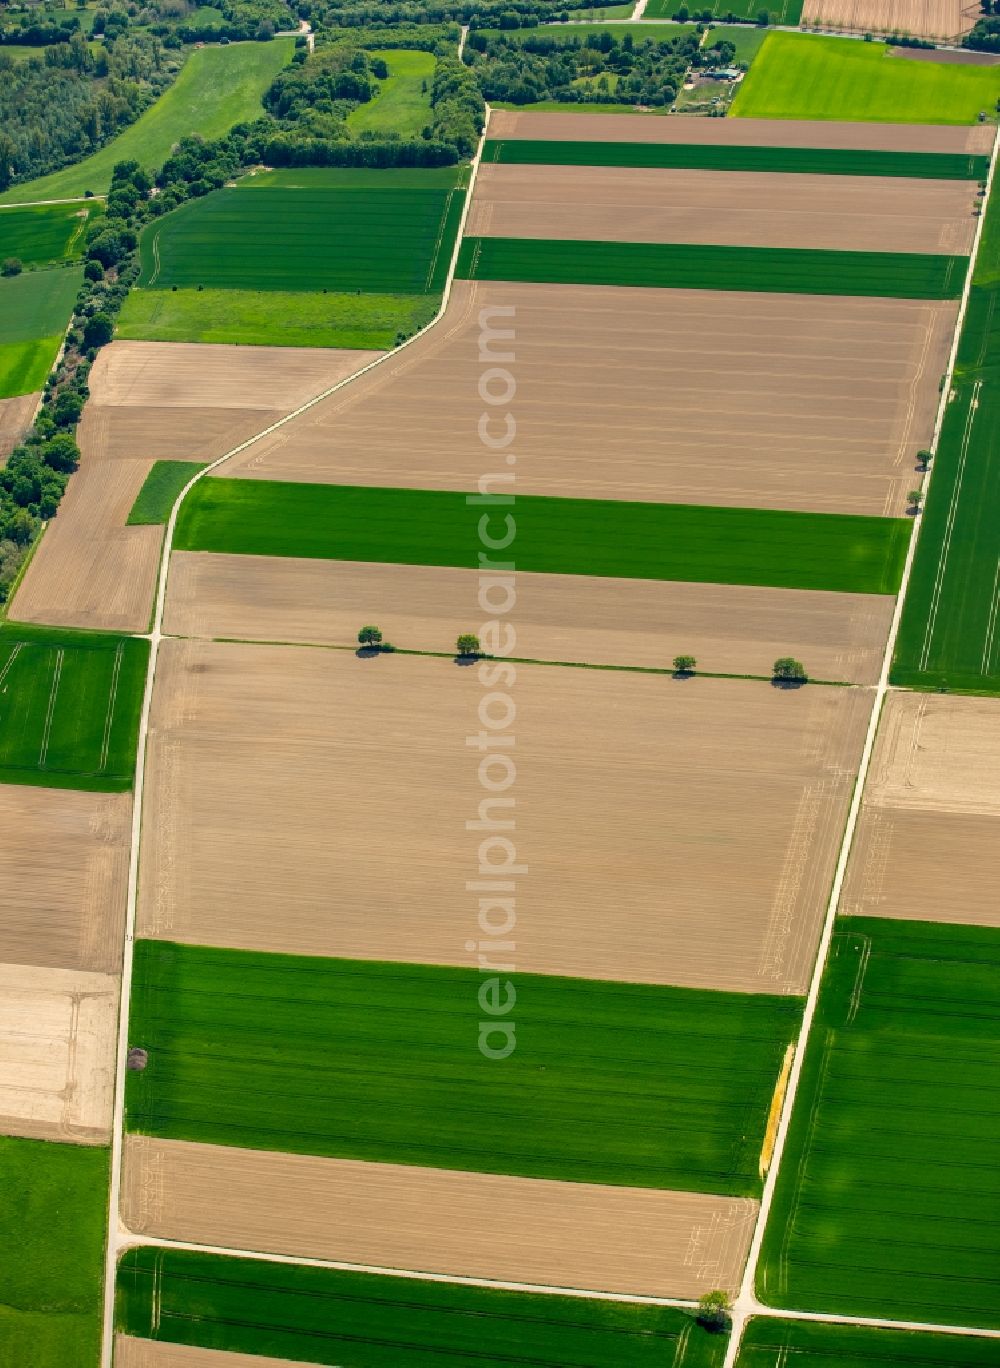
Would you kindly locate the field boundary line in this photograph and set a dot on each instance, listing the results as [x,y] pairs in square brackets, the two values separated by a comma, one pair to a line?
[746,1303]
[10,661]
[154,636]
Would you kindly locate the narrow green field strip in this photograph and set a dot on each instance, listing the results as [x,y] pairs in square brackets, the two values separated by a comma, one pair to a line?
[24,366]
[357,178]
[53,1214]
[562,536]
[403,102]
[359,1320]
[159,490]
[69,707]
[37,304]
[803,76]
[613,1083]
[826,161]
[688,266]
[370,322]
[217,88]
[778,11]
[578,32]
[42,233]
[883,1203]
[809,1344]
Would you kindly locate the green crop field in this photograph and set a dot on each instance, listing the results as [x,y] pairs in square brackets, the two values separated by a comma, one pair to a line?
[69,707]
[747,41]
[216,88]
[321,1056]
[949,635]
[41,233]
[559,536]
[793,160]
[35,309]
[803,76]
[665,33]
[808,1344]
[779,11]
[403,103]
[883,1203]
[52,1225]
[159,490]
[360,1320]
[896,275]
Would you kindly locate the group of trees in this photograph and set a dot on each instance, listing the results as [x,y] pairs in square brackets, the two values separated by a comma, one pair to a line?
[985,35]
[327,15]
[786,668]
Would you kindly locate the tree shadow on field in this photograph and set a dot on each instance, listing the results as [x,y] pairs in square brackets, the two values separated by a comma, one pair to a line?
[789,683]
[683,674]
[466,660]
[368,652]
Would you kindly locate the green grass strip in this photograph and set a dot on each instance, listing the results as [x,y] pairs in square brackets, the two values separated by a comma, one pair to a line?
[828,161]
[53,1214]
[881,1207]
[779,11]
[627,1084]
[360,1320]
[159,490]
[690,266]
[782,549]
[812,1344]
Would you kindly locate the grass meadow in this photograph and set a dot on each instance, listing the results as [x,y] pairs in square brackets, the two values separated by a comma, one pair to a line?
[403,103]
[159,490]
[883,1202]
[35,308]
[69,707]
[665,33]
[803,76]
[779,11]
[40,233]
[360,1320]
[322,1058]
[782,549]
[791,160]
[216,88]
[52,1225]
[767,1342]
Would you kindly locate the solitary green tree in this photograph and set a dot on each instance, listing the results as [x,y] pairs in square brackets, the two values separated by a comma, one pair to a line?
[915,498]
[924,458]
[11,266]
[787,667]
[684,664]
[370,636]
[713,1312]
[467,644]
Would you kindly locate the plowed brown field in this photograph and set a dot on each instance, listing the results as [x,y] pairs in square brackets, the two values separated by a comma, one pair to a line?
[509,123]
[622,204]
[941,19]
[15,419]
[140,1353]
[928,842]
[281,776]
[736,629]
[526,1230]
[677,396]
[151,401]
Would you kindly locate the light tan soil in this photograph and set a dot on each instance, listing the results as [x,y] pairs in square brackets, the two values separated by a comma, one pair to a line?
[284,777]
[928,842]
[154,401]
[57,1035]
[728,628]
[15,419]
[684,396]
[621,204]
[65,870]
[580,1235]
[141,1353]
[939,19]
[509,123]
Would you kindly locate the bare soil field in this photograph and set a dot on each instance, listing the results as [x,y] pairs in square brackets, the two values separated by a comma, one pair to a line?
[676,396]
[152,401]
[928,842]
[874,137]
[940,19]
[729,628]
[15,419]
[622,204]
[277,771]
[141,1353]
[526,1230]
[65,870]
[57,1035]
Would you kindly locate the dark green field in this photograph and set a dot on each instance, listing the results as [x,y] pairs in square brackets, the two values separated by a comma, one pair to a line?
[895,275]
[69,707]
[52,1223]
[888,1191]
[45,232]
[806,1344]
[560,536]
[780,11]
[159,490]
[610,1082]
[791,160]
[358,1320]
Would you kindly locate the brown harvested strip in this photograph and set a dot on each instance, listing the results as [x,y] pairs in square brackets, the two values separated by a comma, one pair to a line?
[141,1353]
[57,1035]
[661,396]
[928,842]
[728,628]
[873,137]
[529,1230]
[740,208]
[277,771]
[15,419]
[941,19]
[65,868]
